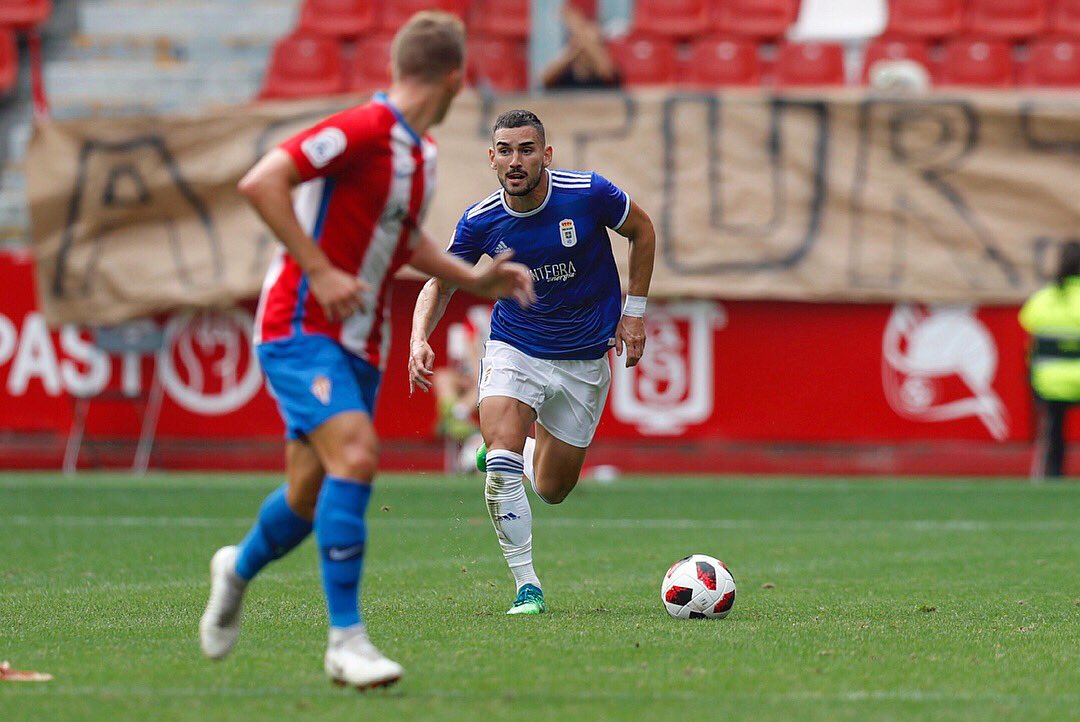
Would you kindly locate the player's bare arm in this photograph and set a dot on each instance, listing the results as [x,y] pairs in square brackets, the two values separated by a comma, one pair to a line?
[268,187]
[638,228]
[430,307]
[500,279]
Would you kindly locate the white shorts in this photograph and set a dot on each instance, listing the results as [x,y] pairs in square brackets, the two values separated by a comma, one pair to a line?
[568,396]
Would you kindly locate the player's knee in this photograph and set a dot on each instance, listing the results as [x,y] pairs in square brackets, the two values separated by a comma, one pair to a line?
[357,461]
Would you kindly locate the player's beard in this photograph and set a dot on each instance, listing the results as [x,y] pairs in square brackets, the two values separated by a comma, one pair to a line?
[530,186]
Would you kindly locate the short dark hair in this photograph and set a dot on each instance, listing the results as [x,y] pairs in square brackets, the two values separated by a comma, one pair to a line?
[520,119]
[429,45]
[1069,262]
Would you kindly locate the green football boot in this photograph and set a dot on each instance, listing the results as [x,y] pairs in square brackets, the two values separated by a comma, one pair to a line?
[530,600]
[481,458]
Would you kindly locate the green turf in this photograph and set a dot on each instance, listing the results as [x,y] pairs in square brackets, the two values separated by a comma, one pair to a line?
[857,600]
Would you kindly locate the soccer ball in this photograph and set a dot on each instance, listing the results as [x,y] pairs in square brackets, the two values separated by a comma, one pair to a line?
[698,587]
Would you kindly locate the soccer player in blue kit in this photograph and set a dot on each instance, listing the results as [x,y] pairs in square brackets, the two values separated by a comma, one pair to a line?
[546,363]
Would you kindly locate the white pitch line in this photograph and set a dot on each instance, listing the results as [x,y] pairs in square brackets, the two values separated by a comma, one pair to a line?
[925,525]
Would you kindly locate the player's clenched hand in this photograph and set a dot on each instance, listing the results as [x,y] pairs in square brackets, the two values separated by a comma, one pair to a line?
[421,365]
[338,292]
[631,332]
[504,279]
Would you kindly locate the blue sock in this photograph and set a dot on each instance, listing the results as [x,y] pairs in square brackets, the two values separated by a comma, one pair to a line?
[276,532]
[341,533]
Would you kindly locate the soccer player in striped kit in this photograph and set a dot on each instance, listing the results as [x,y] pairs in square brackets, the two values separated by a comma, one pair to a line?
[546,363]
[363,179]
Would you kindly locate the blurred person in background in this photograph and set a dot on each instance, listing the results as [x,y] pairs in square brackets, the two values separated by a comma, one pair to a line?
[362,179]
[585,62]
[1052,317]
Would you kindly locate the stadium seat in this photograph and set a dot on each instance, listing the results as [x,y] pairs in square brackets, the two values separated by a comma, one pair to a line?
[501,18]
[810,64]
[304,65]
[755,18]
[1053,64]
[24,14]
[9,60]
[675,18]
[395,13]
[644,61]
[977,63]
[338,18]
[1065,17]
[722,62]
[925,18]
[1007,18]
[499,64]
[370,66]
[895,49]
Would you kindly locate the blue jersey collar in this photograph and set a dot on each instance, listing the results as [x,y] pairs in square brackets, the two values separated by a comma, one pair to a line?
[383,99]
[534,211]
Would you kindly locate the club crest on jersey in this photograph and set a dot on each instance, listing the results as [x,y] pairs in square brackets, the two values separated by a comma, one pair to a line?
[324,146]
[567,232]
[320,388]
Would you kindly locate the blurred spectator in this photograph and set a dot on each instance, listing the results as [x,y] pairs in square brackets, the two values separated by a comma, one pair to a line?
[585,61]
[1052,317]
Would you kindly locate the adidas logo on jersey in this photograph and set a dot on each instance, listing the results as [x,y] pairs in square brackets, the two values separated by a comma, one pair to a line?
[501,248]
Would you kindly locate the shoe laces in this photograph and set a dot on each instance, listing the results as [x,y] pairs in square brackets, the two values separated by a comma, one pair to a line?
[529,594]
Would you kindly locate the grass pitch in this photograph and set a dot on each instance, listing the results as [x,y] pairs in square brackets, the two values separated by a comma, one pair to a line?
[857,600]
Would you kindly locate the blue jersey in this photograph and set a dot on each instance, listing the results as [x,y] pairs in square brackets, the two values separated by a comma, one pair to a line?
[564,242]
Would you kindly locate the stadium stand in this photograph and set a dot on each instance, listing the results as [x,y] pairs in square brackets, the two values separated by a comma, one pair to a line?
[645,60]
[810,65]
[672,18]
[925,18]
[714,62]
[338,18]
[977,63]
[1065,17]
[393,15]
[498,64]
[886,48]
[501,18]
[1053,63]
[755,18]
[303,66]
[369,69]
[1007,18]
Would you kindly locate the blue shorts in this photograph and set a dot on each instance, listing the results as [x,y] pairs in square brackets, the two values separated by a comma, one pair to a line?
[314,378]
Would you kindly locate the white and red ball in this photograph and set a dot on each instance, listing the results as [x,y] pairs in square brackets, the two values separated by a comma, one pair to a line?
[698,587]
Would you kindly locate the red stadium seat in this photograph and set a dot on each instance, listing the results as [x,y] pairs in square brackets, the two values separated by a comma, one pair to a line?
[1053,64]
[675,18]
[304,65]
[978,63]
[925,18]
[1008,18]
[723,62]
[755,18]
[370,67]
[395,13]
[501,18]
[1065,17]
[644,61]
[24,14]
[895,49]
[810,64]
[338,18]
[499,63]
[9,60]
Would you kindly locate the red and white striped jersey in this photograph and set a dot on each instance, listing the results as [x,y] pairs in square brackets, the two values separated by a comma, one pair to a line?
[368,178]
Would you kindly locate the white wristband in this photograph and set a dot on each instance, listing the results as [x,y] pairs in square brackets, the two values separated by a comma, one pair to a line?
[635,306]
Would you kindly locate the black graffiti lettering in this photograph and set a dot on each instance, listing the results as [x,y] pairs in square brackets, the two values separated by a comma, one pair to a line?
[124,184]
[782,234]
[906,151]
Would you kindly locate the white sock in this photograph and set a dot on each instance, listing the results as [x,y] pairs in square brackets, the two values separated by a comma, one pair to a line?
[508,507]
[528,453]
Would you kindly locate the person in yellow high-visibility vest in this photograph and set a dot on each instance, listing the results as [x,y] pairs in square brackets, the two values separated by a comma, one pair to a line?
[1052,317]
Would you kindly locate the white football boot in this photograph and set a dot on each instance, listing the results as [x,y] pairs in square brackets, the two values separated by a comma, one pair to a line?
[351,659]
[220,623]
